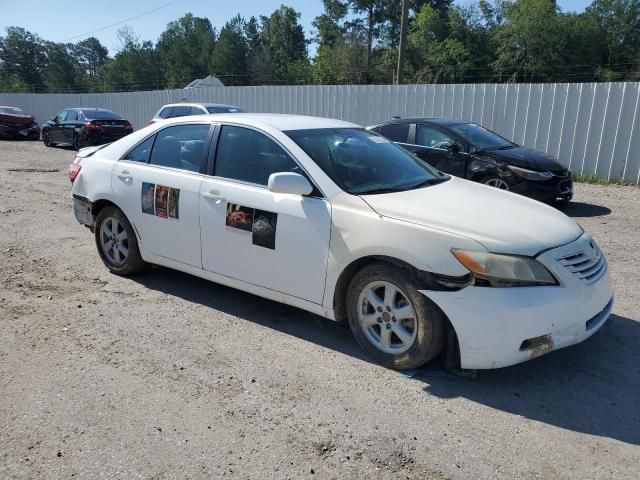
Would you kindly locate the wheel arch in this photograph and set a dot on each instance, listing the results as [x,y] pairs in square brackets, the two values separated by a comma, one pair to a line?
[98,205]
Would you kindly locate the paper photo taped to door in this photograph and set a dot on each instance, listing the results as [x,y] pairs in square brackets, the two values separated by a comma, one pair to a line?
[174,203]
[148,197]
[239,217]
[162,194]
[264,229]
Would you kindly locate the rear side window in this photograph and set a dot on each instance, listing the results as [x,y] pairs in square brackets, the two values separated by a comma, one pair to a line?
[181,111]
[225,110]
[250,156]
[180,146]
[166,112]
[396,132]
[142,152]
[197,111]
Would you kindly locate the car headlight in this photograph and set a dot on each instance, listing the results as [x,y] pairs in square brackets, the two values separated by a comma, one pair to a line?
[530,174]
[504,270]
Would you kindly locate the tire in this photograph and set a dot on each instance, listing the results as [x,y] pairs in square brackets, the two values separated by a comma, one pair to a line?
[113,228]
[46,139]
[422,327]
[496,182]
[77,145]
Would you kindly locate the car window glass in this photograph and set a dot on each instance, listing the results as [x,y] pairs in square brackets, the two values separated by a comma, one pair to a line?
[248,155]
[72,116]
[181,111]
[61,116]
[480,137]
[432,137]
[101,115]
[142,152]
[180,146]
[225,110]
[197,111]
[397,132]
[166,112]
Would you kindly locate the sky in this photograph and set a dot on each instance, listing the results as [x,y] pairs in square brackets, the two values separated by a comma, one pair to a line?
[68,20]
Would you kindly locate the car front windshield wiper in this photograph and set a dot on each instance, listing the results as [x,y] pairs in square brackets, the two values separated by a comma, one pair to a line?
[429,182]
[506,147]
[404,188]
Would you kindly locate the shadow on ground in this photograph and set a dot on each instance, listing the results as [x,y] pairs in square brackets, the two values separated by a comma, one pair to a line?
[585,210]
[591,388]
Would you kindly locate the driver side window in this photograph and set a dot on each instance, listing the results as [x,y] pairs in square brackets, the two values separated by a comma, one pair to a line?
[250,156]
[61,116]
[431,137]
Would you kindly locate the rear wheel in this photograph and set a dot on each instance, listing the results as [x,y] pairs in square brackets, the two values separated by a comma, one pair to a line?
[46,139]
[77,144]
[117,243]
[391,320]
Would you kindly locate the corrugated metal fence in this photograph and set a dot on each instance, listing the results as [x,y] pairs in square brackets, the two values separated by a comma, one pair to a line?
[591,127]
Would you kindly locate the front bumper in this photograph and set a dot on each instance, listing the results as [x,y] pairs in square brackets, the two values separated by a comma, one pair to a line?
[557,188]
[498,327]
[20,132]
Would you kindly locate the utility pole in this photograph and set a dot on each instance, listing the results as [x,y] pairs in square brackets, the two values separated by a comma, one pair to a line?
[403,40]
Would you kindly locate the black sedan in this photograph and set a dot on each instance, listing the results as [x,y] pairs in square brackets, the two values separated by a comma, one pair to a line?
[470,151]
[83,127]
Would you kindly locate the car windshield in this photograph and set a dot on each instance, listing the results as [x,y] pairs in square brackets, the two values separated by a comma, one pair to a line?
[11,110]
[362,162]
[100,115]
[225,110]
[480,137]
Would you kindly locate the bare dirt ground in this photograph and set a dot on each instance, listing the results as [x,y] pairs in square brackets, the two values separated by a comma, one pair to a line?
[168,376]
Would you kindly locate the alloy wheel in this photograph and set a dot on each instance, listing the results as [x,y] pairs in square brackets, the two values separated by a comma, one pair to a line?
[76,143]
[114,241]
[387,317]
[46,139]
[497,183]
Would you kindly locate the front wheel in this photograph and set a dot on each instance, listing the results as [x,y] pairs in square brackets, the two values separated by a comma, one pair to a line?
[117,243]
[46,139]
[496,182]
[391,320]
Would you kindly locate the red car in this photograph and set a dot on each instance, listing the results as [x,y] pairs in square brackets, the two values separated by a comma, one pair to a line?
[15,124]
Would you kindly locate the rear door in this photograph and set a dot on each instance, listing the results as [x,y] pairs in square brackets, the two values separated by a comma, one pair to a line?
[272,240]
[431,144]
[158,186]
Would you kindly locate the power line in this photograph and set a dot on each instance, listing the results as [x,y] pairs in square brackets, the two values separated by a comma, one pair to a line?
[117,23]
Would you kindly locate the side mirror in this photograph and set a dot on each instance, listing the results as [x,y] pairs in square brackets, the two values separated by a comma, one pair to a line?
[292,183]
[453,148]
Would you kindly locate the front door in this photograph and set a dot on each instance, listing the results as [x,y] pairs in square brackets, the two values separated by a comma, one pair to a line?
[276,241]
[431,144]
[55,129]
[69,126]
[158,183]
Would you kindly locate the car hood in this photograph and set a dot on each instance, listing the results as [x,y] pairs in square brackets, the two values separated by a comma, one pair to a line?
[501,221]
[527,158]
[19,119]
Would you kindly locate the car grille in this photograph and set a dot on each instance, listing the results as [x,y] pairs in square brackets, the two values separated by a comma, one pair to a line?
[588,266]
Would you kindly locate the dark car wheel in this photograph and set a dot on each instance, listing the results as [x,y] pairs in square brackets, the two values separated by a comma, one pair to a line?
[77,143]
[496,182]
[117,243]
[46,139]
[391,320]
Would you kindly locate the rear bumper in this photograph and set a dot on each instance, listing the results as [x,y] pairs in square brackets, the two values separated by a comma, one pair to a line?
[91,139]
[82,208]
[498,327]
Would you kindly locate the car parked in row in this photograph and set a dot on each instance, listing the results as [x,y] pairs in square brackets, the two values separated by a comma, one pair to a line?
[16,124]
[83,127]
[174,110]
[471,151]
[326,216]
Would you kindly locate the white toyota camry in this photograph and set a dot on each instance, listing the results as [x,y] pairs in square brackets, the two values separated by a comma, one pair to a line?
[328,217]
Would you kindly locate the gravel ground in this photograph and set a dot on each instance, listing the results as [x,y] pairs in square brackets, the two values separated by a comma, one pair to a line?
[169,376]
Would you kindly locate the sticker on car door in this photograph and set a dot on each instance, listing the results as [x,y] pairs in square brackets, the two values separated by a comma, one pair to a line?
[159,200]
[261,224]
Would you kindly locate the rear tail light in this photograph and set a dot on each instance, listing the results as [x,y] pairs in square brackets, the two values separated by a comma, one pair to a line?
[74,169]
[93,126]
[128,127]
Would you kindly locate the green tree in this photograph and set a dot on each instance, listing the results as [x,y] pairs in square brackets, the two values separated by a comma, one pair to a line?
[185,49]
[344,61]
[23,57]
[61,72]
[229,57]
[91,55]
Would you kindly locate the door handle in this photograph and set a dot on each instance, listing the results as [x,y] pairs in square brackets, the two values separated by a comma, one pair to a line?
[214,195]
[125,175]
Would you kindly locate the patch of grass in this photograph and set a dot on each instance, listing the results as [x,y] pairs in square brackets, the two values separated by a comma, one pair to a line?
[595,180]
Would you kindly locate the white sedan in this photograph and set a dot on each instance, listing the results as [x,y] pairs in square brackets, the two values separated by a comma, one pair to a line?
[328,217]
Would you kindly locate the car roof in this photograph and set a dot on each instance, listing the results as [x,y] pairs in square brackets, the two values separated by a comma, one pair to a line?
[436,120]
[199,104]
[280,121]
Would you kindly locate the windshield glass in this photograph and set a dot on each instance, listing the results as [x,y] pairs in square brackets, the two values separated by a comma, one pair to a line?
[480,137]
[362,162]
[11,110]
[225,110]
[101,115]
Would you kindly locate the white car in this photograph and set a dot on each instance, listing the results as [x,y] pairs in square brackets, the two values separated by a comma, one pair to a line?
[183,109]
[328,217]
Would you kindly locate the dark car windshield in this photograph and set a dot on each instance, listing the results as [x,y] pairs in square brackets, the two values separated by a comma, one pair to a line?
[480,137]
[100,115]
[225,110]
[11,110]
[362,162]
